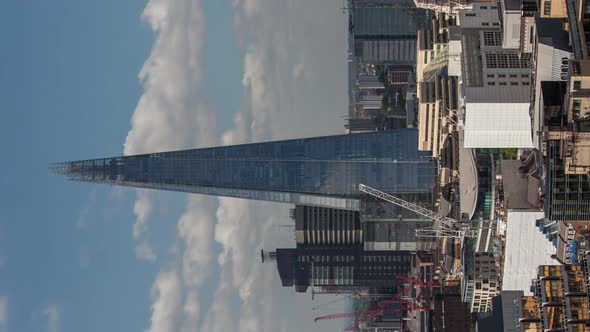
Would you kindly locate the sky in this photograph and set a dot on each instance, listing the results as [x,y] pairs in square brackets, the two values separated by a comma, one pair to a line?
[84,79]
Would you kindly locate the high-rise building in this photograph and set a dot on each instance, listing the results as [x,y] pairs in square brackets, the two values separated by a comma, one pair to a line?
[339,267]
[385,31]
[320,171]
[315,225]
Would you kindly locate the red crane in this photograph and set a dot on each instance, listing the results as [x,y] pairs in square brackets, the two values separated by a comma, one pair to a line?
[407,305]
[415,281]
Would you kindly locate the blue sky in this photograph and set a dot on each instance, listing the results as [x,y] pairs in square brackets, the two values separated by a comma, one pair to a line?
[86,79]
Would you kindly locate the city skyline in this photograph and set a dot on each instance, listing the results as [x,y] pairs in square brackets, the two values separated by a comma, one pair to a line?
[82,62]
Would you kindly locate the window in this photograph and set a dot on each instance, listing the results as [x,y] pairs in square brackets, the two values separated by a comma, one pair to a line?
[502,75]
[577,85]
[524,75]
[483,7]
[547,8]
[492,38]
[470,14]
[502,83]
[512,76]
[496,24]
[485,24]
[494,7]
[492,83]
[513,83]
[576,105]
[525,83]
[491,75]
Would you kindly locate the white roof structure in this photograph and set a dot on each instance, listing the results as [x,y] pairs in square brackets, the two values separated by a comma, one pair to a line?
[497,125]
[526,249]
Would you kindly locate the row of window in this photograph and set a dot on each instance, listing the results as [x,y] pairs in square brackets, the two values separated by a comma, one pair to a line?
[504,75]
[511,83]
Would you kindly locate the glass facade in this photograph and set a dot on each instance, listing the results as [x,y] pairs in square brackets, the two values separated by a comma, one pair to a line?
[321,171]
[568,195]
[341,267]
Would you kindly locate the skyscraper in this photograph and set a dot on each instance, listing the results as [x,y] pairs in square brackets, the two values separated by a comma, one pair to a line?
[320,171]
[339,267]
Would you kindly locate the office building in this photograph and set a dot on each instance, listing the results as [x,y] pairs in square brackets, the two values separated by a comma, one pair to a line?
[316,225]
[321,171]
[451,314]
[565,142]
[496,83]
[391,229]
[385,32]
[339,267]
[552,52]
[438,95]
[487,274]
[506,308]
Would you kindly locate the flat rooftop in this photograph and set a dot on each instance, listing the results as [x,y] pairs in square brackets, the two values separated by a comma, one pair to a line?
[551,32]
[497,125]
[526,249]
[519,187]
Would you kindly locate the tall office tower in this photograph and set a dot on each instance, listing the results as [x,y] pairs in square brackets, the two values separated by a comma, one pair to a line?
[385,31]
[321,171]
[342,267]
[315,225]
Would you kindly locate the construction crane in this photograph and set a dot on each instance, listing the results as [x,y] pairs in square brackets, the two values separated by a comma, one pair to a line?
[443,226]
[415,281]
[365,315]
[407,306]
[371,313]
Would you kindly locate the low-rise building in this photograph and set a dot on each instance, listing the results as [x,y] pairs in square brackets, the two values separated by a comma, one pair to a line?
[561,300]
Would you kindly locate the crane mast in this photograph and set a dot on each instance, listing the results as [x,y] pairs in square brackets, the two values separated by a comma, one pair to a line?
[443,226]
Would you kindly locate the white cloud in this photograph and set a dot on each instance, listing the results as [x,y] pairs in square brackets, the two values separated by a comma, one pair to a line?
[144,251]
[3,314]
[221,315]
[52,314]
[83,219]
[295,86]
[141,209]
[167,297]
[195,228]
[169,116]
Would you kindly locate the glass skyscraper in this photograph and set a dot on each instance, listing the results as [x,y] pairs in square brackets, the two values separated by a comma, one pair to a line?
[320,171]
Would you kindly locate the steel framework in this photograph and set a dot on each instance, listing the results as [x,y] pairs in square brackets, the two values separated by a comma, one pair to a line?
[443,226]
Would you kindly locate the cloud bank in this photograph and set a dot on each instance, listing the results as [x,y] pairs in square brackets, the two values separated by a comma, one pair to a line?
[294,83]
[52,313]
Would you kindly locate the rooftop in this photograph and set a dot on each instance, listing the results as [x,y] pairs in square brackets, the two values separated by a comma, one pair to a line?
[511,5]
[472,66]
[497,94]
[497,125]
[521,188]
[553,92]
[551,32]
[526,249]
